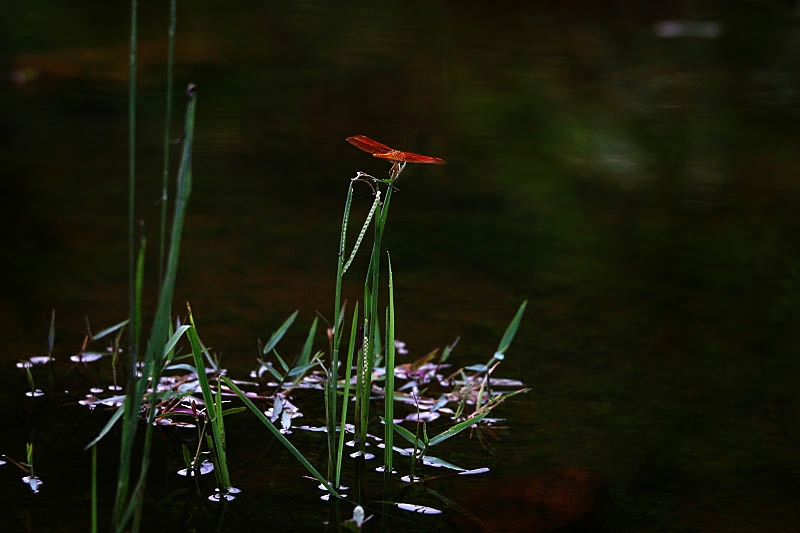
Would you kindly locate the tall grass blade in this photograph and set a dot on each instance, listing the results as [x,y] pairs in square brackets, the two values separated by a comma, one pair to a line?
[94,491]
[126,506]
[388,434]
[213,405]
[132,403]
[331,386]
[346,393]
[134,341]
[173,17]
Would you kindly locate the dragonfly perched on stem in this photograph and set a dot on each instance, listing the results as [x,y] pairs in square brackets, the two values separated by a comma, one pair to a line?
[397,157]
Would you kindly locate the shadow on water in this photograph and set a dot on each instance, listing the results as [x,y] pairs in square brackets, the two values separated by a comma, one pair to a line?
[635,181]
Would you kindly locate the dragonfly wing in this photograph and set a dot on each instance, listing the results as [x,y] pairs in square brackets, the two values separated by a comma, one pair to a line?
[368,145]
[409,157]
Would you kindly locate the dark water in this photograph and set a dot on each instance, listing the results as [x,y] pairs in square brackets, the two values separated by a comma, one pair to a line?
[639,190]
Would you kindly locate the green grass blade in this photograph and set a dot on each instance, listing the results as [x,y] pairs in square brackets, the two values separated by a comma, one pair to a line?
[173,17]
[212,401]
[456,429]
[158,338]
[448,350]
[109,330]
[134,341]
[333,372]
[283,440]
[406,434]
[511,331]
[279,333]
[93,527]
[110,424]
[441,462]
[348,369]
[388,433]
[133,400]
[173,341]
[272,370]
[284,364]
[305,354]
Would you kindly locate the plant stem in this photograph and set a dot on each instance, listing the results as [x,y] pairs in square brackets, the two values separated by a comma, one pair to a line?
[134,341]
[167,142]
[388,433]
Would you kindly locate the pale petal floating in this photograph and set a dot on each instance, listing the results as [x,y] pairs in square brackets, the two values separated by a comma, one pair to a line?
[475,471]
[426,416]
[87,357]
[33,482]
[421,509]
[205,468]
[367,456]
[229,495]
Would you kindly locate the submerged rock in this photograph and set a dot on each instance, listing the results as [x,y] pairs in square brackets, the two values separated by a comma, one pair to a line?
[556,499]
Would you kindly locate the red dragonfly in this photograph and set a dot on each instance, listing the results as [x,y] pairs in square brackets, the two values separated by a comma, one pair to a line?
[385,152]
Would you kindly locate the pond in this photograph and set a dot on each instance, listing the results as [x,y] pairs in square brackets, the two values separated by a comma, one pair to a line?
[630,170]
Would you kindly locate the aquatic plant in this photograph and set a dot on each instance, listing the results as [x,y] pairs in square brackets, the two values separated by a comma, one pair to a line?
[187,391]
[368,348]
[30,478]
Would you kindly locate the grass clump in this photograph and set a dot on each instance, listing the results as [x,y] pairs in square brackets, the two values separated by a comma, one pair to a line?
[167,388]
